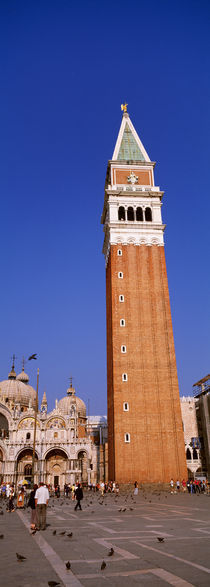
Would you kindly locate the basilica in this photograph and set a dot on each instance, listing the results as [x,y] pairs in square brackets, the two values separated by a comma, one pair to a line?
[69,447]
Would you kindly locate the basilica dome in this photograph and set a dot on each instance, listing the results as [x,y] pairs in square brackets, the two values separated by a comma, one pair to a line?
[15,390]
[71,401]
[23,376]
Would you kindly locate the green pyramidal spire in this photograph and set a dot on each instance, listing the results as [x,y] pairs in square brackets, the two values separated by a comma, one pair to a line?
[129,146]
[129,150]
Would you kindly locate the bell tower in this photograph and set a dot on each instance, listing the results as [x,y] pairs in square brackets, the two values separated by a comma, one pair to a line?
[145,435]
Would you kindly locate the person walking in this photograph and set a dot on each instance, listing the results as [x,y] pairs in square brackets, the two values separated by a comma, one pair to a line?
[172,486]
[136,488]
[73,492]
[11,497]
[41,501]
[31,504]
[79,496]
[20,498]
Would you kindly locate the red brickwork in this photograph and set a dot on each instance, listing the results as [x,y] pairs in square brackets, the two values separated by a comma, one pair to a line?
[155,452]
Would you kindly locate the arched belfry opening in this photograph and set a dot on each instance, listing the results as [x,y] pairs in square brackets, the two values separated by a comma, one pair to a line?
[121,213]
[148,214]
[130,214]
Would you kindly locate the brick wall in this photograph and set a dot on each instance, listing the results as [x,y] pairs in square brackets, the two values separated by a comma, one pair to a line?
[155,452]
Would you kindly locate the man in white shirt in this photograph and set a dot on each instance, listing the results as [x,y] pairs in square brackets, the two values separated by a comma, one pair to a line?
[41,501]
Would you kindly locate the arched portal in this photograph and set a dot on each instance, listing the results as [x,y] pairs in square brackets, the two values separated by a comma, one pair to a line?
[24,466]
[4,426]
[56,466]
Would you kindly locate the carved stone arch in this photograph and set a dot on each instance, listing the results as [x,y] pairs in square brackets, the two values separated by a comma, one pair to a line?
[56,466]
[26,448]
[81,449]
[7,413]
[23,459]
[58,448]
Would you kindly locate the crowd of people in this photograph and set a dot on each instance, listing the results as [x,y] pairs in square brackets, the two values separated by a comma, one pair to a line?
[37,499]
[191,485]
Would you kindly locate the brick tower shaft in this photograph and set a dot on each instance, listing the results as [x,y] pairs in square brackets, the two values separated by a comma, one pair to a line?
[145,434]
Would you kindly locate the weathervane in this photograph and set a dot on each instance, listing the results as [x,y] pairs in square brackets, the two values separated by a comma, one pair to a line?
[13,361]
[124,107]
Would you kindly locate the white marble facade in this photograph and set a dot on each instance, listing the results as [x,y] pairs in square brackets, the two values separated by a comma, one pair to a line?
[67,450]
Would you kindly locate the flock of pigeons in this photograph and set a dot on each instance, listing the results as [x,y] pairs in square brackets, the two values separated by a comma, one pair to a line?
[88,503]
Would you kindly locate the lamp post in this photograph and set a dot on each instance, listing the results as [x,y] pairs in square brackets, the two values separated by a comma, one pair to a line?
[35,422]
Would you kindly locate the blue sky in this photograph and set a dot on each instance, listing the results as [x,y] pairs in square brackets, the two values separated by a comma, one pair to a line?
[65,68]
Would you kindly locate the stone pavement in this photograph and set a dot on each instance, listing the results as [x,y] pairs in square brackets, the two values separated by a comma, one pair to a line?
[129,525]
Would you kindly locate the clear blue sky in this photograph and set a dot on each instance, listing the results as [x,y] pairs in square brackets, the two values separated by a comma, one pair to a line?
[65,68]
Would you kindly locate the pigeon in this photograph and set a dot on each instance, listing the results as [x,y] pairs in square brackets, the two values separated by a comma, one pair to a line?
[53,583]
[103,565]
[1,513]
[160,539]
[111,552]
[20,557]
[1,536]
[124,510]
[70,534]
[33,357]
[131,509]
[62,533]
[54,532]
[68,565]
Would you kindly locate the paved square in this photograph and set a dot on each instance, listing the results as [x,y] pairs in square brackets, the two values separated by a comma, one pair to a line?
[131,526]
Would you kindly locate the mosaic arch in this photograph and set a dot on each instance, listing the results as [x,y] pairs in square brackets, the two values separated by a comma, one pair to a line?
[57,423]
[28,423]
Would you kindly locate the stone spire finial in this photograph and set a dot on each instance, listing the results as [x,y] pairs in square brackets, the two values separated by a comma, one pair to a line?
[44,404]
[71,390]
[12,374]
[44,399]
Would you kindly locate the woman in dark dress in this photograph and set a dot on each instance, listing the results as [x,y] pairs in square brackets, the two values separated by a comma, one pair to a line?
[31,504]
